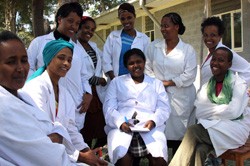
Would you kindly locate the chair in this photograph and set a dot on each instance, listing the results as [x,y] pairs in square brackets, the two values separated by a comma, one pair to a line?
[239,154]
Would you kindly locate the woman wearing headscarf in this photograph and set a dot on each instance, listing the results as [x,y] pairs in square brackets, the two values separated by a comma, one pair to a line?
[68,18]
[52,98]
[174,63]
[27,135]
[120,41]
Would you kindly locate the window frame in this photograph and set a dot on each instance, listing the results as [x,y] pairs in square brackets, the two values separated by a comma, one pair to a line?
[232,12]
[150,31]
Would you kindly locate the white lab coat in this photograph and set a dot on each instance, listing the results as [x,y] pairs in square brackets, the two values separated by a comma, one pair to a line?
[76,82]
[73,81]
[42,92]
[239,65]
[23,134]
[112,49]
[35,51]
[149,100]
[224,132]
[90,70]
[179,66]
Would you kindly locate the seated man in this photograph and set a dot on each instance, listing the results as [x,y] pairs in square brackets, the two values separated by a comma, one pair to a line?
[222,113]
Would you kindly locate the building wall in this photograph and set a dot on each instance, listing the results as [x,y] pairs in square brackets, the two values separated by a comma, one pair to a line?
[192,16]
[245,5]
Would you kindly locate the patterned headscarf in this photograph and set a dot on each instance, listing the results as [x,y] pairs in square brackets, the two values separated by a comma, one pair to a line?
[49,52]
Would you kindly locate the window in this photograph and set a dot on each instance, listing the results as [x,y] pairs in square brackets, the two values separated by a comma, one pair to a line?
[233,32]
[149,28]
[119,27]
[107,33]
[230,12]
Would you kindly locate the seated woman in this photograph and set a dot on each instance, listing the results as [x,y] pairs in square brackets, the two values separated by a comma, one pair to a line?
[128,95]
[222,113]
[52,98]
[27,134]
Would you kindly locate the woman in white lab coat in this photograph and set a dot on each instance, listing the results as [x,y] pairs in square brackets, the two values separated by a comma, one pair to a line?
[27,134]
[212,30]
[174,63]
[128,95]
[222,113]
[52,98]
[68,18]
[92,58]
[118,42]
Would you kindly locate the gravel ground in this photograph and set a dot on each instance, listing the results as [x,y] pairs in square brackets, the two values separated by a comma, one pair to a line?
[144,162]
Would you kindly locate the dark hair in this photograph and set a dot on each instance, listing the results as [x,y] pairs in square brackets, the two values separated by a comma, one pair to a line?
[126,7]
[229,53]
[216,21]
[133,51]
[67,8]
[7,35]
[86,19]
[176,19]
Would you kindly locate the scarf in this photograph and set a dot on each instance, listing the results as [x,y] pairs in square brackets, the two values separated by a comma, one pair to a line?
[49,52]
[226,93]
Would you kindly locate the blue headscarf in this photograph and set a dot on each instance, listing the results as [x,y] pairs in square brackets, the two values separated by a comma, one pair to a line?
[49,52]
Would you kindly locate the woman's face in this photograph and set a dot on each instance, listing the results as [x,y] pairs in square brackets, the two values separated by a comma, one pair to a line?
[69,25]
[86,32]
[211,37]
[219,63]
[60,64]
[14,66]
[135,66]
[168,29]
[127,20]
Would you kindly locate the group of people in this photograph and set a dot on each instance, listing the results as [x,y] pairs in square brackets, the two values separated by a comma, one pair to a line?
[64,92]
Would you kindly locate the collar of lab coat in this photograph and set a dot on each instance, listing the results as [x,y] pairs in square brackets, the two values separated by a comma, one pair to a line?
[119,32]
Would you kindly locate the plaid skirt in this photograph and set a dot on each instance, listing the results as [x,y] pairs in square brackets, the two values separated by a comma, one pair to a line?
[137,146]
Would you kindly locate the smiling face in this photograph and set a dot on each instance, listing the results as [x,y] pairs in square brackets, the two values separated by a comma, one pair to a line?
[60,64]
[219,64]
[69,25]
[135,66]
[211,37]
[168,29]
[14,65]
[86,31]
[127,20]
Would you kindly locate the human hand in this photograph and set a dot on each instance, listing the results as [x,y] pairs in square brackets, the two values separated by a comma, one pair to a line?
[89,157]
[86,102]
[125,127]
[149,124]
[102,82]
[111,74]
[168,83]
[56,138]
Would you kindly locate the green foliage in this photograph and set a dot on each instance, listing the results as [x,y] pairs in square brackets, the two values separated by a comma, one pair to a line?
[24,13]
[96,7]
[26,37]
[2,6]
